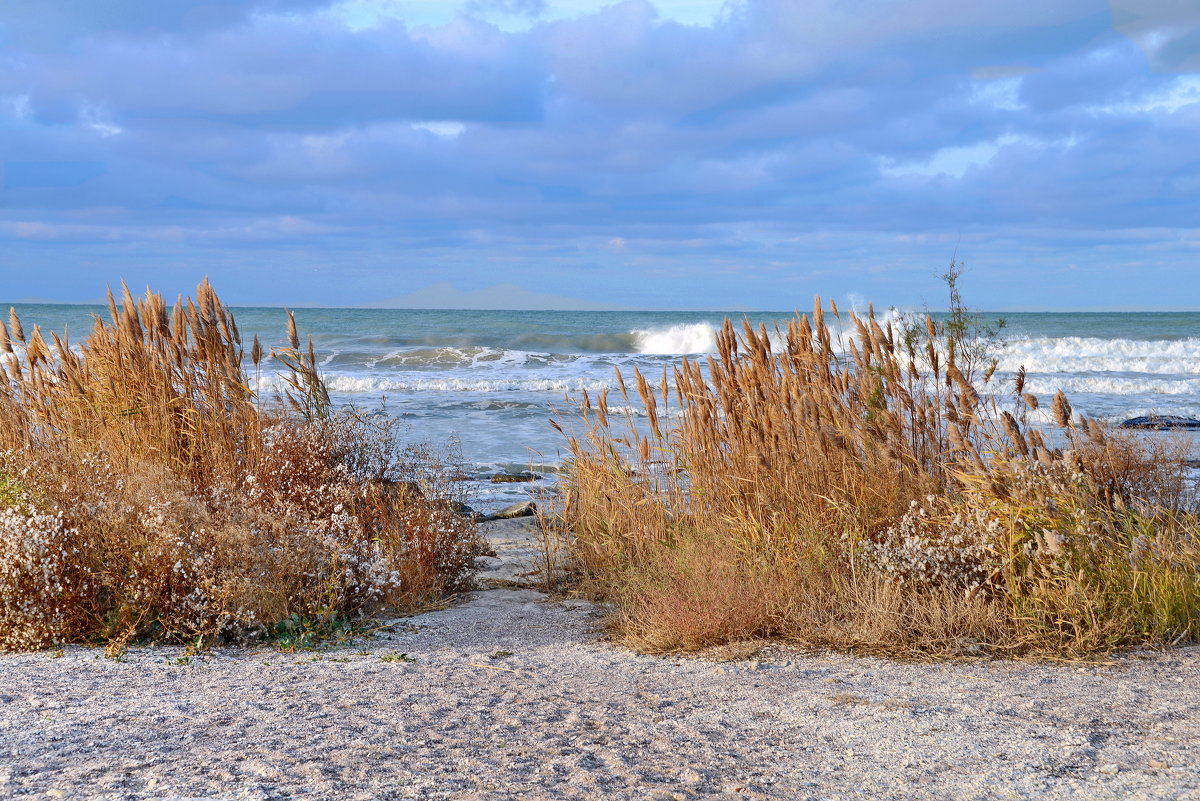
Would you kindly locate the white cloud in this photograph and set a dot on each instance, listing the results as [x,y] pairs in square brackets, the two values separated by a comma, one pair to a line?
[17,106]
[1183,91]
[955,161]
[362,14]
[94,119]
[447,128]
[1003,93]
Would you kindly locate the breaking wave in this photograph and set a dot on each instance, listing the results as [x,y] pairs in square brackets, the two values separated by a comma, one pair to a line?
[1111,385]
[677,339]
[377,385]
[1092,354]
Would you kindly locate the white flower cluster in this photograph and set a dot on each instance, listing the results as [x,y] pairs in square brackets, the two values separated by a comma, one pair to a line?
[928,549]
[35,577]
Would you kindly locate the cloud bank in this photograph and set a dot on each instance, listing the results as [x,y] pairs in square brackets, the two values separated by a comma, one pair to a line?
[752,153]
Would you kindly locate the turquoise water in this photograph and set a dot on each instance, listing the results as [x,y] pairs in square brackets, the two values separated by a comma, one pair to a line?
[492,379]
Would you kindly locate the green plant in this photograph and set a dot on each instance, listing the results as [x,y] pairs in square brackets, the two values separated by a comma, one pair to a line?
[964,332]
[393,656]
[301,633]
[12,492]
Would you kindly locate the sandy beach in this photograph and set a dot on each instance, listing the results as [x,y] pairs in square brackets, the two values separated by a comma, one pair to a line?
[513,695]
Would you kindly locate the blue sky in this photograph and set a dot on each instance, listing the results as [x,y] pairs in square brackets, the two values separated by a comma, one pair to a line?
[678,153]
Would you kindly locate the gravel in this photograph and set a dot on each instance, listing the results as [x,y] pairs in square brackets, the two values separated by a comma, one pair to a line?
[512,695]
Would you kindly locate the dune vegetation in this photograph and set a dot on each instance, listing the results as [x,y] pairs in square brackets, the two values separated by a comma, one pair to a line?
[877,491]
[147,492]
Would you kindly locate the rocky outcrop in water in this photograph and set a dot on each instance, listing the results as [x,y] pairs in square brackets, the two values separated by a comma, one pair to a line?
[514,478]
[523,509]
[1162,422]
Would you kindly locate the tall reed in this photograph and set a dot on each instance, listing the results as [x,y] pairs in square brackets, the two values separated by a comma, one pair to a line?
[146,491]
[875,490]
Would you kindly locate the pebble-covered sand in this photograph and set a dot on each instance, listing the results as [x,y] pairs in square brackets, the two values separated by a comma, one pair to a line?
[510,695]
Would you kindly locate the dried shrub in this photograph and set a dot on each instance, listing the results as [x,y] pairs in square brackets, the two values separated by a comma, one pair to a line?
[146,492]
[874,489]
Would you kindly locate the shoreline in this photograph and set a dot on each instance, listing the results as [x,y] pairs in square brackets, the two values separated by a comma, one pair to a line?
[514,695]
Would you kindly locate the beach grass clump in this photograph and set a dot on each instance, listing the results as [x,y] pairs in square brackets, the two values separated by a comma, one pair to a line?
[146,492]
[875,490]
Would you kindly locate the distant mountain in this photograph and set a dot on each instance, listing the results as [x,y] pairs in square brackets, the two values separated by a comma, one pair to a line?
[500,296]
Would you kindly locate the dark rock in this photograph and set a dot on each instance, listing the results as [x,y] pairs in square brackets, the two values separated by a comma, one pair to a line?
[459,508]
[514,478]
[522,509]
[1162,422]
[406,490]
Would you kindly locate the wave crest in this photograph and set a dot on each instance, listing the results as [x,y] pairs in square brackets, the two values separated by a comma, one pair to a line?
[360,385]
[680,338]
[1093,354]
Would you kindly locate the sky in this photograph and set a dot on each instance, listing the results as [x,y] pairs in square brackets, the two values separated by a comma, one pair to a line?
[644,153]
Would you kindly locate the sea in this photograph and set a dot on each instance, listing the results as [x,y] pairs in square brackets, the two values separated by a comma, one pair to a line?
[491,381]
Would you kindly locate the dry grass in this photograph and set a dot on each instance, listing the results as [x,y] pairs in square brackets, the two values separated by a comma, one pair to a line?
[876,492]
[146,492]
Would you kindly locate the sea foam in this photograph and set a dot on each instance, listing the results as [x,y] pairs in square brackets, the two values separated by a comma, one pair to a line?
[686,338]
[1092,354]
[360,384]
[681,338]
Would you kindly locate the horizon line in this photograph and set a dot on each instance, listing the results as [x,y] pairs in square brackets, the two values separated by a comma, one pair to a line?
[630,309]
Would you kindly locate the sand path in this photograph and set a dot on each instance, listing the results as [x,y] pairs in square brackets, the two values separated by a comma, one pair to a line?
[514,696]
